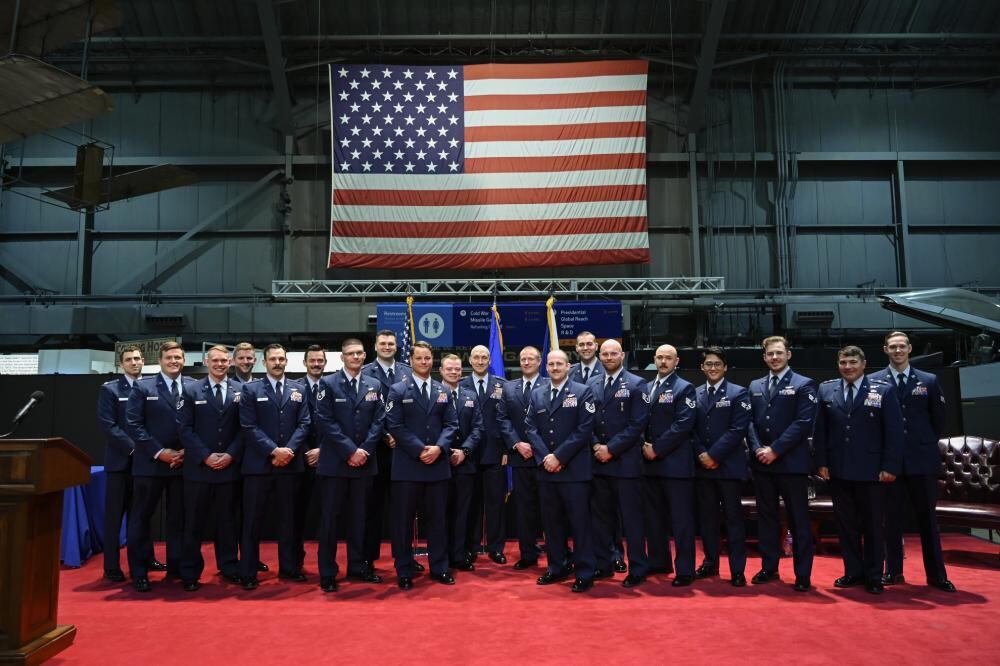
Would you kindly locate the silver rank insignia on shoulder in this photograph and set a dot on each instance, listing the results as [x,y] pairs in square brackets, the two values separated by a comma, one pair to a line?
[690,403]
[590,407]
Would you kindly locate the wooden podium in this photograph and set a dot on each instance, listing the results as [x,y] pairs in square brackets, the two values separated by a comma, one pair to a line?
[33,474]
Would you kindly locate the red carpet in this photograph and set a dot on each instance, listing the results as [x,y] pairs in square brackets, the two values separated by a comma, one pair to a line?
[496,614]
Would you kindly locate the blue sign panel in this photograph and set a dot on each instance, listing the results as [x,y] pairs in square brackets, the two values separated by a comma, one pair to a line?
[468,324]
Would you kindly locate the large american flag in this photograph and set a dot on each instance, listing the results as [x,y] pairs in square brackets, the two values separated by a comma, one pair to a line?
[488,166]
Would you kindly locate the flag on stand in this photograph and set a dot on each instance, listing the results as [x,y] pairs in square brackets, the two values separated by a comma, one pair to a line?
[551,341]
[406,340]
[488,166]
[496,344]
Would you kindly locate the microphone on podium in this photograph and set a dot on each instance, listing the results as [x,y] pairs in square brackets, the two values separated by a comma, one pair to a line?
[35,398]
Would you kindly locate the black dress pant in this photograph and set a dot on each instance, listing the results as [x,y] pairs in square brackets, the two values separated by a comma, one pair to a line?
[303,503]
[487,509]
[256,488]
[146,493]
[712,492]
[432,498]
[459,505]
[205,502]
[117,498]
[922,492]
[562,503]
[526,505]
[794,489]
[670,500]
[859,507]
[614,497]
[344,500]
[378,500]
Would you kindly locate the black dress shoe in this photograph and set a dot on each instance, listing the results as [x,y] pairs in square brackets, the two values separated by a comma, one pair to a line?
[250,584]
[294,576]
[367,576]
[632,580]
[443,578]
[945,585]
[682,581]
[328,584]
[705,571]
[846,581]
[525,564]
[417,566]
[738,580]
[802,584]
[893,579]
[499,558]
[548,578]
[464,565]
[405,583]
[191,586]
[763,576]
[156,565]
[603,573]
[232,578]
[874,587]
[115,576]
[620,566]
[582,585]
[141,584]
[262,567]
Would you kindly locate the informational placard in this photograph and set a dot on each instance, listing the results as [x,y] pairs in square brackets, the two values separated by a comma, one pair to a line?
[468,324]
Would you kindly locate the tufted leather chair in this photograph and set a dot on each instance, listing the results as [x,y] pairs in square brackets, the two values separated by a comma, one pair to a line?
[970,481]
[970,469]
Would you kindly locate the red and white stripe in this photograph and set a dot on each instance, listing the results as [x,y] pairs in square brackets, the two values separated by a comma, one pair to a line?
[555,175]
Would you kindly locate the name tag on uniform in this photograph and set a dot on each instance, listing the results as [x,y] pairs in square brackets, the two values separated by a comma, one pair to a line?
[201,402]
[340,399]
[540,411]
[757,395]
[262,399]
[122,399]
[406,400]
[152,397]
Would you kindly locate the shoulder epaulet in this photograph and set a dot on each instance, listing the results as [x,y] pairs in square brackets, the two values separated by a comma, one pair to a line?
[881,382]
[831,381]
[111,381]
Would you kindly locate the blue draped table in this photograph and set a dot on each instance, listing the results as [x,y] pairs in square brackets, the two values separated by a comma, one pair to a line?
[83,520]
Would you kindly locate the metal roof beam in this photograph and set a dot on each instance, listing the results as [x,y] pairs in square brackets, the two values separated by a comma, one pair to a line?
[276,63]
[706,63]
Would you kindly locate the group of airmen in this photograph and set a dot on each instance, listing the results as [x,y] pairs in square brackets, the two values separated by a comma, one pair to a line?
[592,456]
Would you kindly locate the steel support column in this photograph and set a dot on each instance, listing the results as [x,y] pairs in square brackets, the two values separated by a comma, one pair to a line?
[693,192]
[902,228]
